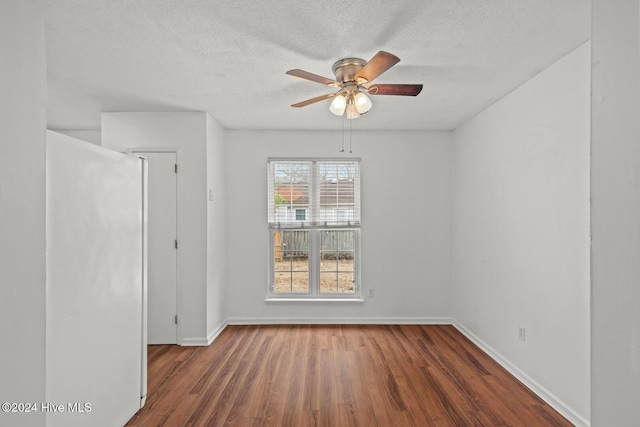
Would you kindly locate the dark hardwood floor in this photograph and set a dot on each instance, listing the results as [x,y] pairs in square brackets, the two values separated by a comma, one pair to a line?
[336,375]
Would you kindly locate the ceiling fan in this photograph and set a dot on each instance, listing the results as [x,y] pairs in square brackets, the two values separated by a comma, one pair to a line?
[352,74]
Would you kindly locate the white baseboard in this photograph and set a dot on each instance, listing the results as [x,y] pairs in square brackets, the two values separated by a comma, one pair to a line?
[202,341]
[214,334]
[543,393]
[194,342]
[339,321]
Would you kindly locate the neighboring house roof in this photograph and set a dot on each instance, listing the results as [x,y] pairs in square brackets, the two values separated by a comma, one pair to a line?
[332,193]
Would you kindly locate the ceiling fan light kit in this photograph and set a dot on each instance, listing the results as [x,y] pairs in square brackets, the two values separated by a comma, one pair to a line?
[362,102]
[338,105]
[351,76]
[352,111]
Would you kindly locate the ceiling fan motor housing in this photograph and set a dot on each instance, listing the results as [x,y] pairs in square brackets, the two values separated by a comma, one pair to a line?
[345,69]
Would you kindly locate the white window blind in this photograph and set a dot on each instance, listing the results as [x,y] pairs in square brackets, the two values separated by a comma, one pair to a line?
[327,190]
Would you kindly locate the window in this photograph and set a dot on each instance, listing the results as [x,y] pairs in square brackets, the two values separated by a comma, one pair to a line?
[314,226]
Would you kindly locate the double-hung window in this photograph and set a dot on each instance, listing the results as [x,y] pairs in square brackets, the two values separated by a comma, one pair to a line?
[314,228]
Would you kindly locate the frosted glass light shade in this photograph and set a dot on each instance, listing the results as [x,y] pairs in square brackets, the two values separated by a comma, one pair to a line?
[362,103]
[338,105]
[352,111]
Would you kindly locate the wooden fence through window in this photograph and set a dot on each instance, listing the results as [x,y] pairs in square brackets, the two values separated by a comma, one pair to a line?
[294,244]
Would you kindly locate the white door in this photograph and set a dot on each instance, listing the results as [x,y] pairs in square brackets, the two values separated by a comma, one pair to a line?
[162,292]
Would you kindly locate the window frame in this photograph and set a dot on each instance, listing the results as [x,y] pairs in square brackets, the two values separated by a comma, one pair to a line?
[314,252]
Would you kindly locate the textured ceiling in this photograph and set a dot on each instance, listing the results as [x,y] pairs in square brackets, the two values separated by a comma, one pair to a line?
[229,58]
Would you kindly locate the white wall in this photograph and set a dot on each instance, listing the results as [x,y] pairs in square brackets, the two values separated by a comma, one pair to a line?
[216,229]
[88,135]
[188,132]
[22,207]
[615,195]
[521,231]
[407,262]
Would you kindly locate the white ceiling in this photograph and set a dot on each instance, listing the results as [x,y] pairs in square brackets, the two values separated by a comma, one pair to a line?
[229,58]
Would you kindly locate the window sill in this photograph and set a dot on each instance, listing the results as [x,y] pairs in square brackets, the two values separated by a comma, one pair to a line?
[280,299]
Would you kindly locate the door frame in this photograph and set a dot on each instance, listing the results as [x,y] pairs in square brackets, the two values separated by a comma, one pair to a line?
[139,151]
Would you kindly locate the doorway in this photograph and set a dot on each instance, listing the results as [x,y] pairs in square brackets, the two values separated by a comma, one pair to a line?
[162,293]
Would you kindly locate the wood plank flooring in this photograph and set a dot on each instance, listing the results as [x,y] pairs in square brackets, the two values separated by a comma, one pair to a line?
[336,375]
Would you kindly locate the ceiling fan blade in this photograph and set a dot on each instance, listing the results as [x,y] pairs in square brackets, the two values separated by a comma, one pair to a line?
[313,77]
[397,89]
[313,100]
[380,63]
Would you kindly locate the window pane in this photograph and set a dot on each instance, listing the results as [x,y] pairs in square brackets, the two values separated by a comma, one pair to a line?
[282,281]
[337,240]
[291,261]
[329,282]
[346,261]
[294,243]
[337,261]
[337,183]
[300,282]
[291,190]
[292,275]
[345,283]
[328,261]
[336,282]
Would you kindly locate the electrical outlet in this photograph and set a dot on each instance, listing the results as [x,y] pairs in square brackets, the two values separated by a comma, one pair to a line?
[521,333]
[372,292]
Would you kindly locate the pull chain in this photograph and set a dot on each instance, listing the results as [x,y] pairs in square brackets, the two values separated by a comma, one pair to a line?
[342,151]
[350,137]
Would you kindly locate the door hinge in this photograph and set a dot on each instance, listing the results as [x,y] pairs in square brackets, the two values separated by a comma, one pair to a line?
[176,319]
[175,168]
[176,243]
